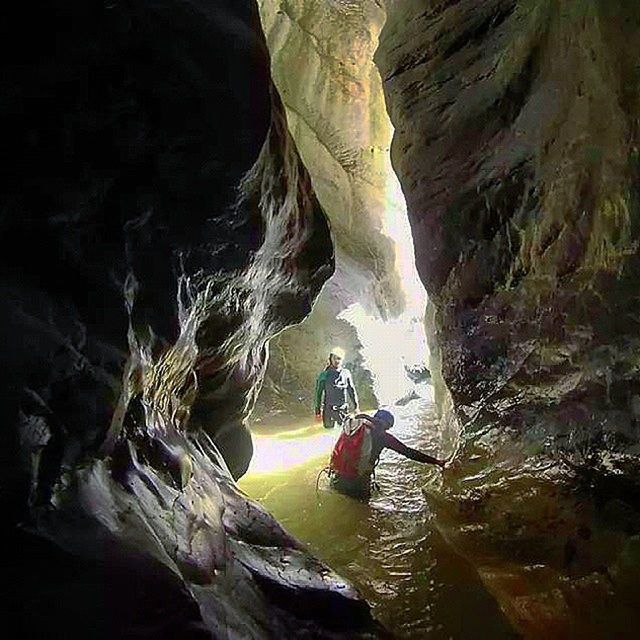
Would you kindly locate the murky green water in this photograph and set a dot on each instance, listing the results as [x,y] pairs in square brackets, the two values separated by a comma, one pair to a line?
[390,549]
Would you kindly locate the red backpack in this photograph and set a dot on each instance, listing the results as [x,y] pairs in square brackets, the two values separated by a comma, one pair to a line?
[351,452]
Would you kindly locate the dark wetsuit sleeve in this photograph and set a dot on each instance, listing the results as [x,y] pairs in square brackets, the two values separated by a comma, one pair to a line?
[352,390]
[319,390]
[393,443]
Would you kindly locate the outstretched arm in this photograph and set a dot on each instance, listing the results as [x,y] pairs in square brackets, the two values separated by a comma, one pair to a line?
[413,454]
[351,390]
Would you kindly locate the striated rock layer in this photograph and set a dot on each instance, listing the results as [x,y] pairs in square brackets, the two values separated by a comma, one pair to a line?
[322,64]
[157,228]
[516,146]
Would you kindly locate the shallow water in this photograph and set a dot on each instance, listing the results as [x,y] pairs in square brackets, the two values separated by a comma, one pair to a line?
[389,549]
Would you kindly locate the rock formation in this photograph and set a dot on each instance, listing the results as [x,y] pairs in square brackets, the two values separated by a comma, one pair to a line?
[516,143]
[158,227]
[322,64]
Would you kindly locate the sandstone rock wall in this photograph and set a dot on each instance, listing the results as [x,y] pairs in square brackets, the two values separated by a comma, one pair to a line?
[322,63]
[516,144]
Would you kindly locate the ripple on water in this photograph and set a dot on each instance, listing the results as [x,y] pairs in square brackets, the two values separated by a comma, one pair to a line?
[390,549]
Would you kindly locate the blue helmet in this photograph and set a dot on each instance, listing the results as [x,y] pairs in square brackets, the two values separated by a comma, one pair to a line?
[384,416]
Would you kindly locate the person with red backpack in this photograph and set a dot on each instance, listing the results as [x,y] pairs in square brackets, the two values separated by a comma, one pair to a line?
[358,448]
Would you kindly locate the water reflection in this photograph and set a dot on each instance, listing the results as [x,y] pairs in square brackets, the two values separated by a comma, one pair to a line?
[389,548]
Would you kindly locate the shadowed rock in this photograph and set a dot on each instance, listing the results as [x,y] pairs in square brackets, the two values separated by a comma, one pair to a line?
[516,145]
[157,229]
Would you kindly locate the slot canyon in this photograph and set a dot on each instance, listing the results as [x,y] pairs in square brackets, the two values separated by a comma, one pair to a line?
[202,198]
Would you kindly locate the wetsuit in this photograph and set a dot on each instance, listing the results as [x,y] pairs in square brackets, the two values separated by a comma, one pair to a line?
[334,387]
[360,487]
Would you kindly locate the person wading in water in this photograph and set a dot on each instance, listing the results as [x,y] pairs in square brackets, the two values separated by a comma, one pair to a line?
[358,448]
[334,388]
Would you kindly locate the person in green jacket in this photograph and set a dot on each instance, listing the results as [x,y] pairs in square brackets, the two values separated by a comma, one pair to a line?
[334,390]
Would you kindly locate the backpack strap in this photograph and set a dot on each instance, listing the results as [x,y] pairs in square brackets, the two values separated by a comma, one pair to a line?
[352,425]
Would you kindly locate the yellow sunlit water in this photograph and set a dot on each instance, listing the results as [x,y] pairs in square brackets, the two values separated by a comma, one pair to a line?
[389,549]
[280,452]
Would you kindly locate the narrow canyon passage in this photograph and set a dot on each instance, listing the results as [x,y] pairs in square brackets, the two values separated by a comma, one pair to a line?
[206,196]
[389,549]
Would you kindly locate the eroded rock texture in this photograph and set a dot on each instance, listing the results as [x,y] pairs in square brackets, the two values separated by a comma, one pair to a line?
[322,63]
[516,145]
[157,228]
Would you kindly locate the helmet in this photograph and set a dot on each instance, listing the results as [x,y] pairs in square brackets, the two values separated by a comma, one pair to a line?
[337,351]
[384,416]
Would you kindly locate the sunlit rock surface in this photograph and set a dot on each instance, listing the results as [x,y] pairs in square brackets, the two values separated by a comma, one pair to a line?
[516,146]
[157,228]
[322,63]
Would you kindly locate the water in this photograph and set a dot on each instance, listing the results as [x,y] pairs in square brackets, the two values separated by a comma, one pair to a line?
[390,549]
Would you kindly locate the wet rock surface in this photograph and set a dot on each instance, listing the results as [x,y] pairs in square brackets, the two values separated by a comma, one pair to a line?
[415,582]
[322,64]
[516,145]
[157,228]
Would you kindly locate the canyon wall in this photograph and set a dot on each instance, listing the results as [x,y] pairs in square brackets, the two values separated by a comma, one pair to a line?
[516,133]
[157,228]
[322,64]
